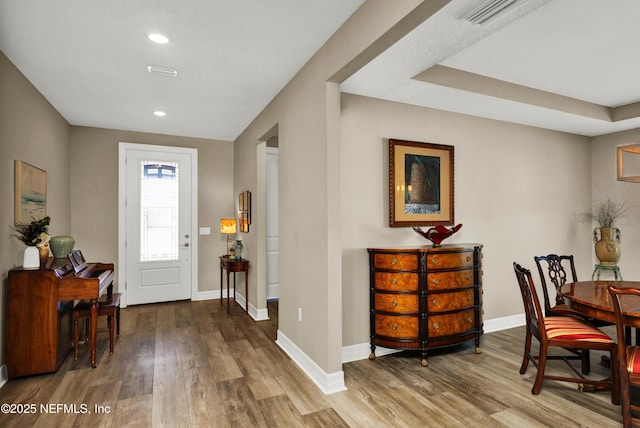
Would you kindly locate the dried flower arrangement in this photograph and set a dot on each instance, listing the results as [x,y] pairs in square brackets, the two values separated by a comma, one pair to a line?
[606,213]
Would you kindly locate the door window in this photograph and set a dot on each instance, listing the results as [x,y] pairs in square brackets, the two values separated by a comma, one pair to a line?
[159,198]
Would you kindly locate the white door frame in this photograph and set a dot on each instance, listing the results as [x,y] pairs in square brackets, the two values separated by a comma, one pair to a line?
[122,263]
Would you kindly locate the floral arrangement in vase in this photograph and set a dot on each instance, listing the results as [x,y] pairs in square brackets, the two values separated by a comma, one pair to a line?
[34,234]
[607,235]
[605,213]
[36,237]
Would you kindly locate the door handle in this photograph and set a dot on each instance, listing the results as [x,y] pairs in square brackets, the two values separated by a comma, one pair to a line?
[186,244]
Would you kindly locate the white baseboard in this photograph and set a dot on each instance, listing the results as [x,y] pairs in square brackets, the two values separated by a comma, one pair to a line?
[504,323]
[206,295]
[361,351]
[4,375]
[256,314]
[328,383]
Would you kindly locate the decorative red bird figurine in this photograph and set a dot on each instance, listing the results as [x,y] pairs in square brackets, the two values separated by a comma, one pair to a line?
[437,234]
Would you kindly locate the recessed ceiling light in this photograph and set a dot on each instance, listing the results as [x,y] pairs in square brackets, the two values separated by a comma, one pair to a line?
[160,113]
[158,38]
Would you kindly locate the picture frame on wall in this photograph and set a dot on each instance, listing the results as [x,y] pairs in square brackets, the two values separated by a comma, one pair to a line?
[30,192]
[421,184]
[244,203]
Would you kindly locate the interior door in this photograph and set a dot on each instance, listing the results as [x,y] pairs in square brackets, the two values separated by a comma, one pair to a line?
[272,229]
[159,238]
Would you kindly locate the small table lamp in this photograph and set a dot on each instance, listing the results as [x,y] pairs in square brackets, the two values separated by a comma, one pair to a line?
[228,227]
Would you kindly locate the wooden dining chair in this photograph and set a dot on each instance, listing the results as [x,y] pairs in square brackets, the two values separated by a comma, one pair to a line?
[555,268]
[561,332]
[556,272]
[108,306]
[628,355]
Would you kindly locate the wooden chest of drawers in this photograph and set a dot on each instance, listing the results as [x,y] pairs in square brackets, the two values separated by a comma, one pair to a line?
[425,298]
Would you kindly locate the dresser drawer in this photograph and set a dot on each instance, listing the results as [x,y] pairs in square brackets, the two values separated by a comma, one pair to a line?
[396,326]
[450,280]
[396,281]
[450,301]
[449,260]
[450,324]
[399,303]
[396,261]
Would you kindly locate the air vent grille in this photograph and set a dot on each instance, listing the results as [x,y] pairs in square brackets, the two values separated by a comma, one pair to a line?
[164,71]
[487,10]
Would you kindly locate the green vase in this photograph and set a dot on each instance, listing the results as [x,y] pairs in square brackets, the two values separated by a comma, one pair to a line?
[61,246]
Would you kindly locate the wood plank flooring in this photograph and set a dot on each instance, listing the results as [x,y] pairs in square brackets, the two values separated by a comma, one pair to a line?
[190,364]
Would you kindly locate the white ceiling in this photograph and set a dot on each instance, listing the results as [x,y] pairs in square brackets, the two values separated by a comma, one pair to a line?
[89,60]
[583,49]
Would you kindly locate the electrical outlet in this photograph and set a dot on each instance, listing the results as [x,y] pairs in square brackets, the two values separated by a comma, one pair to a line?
[299,314]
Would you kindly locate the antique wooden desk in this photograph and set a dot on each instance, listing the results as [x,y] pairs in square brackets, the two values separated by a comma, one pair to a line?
[592,299]
[233,266]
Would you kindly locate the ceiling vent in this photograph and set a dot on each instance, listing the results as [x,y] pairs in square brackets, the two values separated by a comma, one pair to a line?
[163,71]
[487,10]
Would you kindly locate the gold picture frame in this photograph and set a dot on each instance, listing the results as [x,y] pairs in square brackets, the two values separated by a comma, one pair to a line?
[421,184]
[244,203]
[30,193]
[628,165]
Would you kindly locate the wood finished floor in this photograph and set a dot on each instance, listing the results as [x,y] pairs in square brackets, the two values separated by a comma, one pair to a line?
[189,364]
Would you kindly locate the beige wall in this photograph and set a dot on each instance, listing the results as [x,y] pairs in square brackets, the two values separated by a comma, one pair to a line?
[82,179]
[94,189]
[30,130]
[516,189]
[306,112]
[605,185]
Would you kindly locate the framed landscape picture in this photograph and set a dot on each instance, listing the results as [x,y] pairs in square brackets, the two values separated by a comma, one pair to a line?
[30,193]
[420,184]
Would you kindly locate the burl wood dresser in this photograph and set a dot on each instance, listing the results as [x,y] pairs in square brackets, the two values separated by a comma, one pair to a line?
[424,298]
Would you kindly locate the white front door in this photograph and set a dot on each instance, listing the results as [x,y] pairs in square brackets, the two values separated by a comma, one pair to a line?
[157,204]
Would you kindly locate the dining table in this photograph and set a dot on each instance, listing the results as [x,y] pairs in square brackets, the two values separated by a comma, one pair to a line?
[592,299]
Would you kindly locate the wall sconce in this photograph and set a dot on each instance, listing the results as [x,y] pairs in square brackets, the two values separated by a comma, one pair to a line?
[228,227]
[629,161]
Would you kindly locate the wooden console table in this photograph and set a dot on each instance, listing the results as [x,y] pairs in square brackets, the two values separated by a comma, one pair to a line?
[233,266]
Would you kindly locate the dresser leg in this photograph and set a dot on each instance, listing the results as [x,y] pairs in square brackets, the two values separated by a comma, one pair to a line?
[478,350]
[372,356]
[424,362]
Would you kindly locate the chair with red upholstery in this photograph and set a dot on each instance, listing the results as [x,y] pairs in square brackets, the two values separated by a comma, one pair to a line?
[561,332]
[629,356]
[555,268]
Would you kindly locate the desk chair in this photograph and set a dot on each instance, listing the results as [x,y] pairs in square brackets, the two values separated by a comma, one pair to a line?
[561,332]
[109,307]
[629,356]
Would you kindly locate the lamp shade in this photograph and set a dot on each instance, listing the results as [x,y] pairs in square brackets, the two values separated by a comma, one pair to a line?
[228,225]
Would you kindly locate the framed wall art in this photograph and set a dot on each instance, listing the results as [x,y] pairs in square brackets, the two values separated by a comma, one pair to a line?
[420,184]
[244,203]
[30,193]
